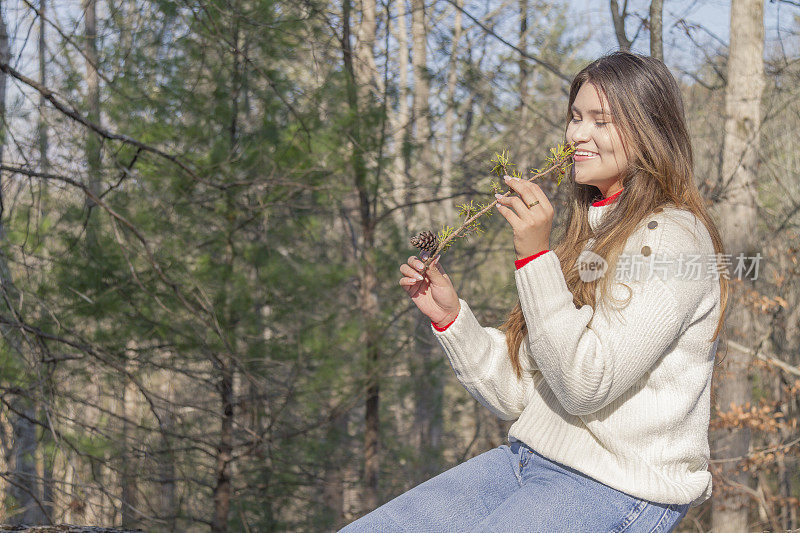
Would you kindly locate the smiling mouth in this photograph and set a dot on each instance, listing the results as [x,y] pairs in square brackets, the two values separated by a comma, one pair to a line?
[581,155]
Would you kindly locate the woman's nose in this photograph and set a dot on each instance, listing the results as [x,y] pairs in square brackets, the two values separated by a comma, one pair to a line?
[580,132]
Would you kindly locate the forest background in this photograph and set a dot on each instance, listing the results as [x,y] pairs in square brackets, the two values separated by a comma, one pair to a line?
[204,209]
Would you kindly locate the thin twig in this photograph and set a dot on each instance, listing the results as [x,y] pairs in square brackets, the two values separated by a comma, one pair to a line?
[557,163]
[766,357]
[70,111]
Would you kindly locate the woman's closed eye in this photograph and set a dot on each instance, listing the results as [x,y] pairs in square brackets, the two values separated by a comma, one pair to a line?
[599,123]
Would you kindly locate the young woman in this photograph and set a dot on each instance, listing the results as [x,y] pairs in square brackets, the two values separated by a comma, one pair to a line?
[607,376]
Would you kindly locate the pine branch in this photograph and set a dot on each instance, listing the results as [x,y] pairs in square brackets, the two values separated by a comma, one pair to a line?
[559,159]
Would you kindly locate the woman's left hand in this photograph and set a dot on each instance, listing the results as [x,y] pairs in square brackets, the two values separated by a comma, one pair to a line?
[531,225]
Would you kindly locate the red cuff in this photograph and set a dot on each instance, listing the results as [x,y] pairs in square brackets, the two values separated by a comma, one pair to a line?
[437,328]
[519,263]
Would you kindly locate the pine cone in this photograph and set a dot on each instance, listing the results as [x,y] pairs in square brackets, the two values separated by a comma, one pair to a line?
[426,241]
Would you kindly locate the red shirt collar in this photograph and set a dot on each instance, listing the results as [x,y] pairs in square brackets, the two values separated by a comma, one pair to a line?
[609,200]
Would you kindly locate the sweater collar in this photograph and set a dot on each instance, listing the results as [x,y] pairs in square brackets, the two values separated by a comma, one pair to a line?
[600,207]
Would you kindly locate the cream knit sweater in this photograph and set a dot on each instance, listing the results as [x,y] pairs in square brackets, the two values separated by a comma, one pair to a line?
[622,396]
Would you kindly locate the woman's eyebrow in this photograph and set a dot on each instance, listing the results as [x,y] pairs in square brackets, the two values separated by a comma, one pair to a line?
[592,111]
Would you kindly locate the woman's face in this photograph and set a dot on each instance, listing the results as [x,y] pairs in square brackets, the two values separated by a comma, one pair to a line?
[599,158]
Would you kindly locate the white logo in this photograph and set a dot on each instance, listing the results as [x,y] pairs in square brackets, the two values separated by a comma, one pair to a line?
[590,266]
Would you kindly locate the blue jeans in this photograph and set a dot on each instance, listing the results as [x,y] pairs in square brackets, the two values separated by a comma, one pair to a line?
[514,488]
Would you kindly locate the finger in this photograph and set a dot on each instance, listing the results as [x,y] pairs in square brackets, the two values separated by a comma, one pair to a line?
[409,272]
[511,217]
[503,206]
[436,274]
[416,263]
[439,267]
[525,190]
[412,291]
[515,184]
[538,194]
[408,282]
[411,285]
[519,207]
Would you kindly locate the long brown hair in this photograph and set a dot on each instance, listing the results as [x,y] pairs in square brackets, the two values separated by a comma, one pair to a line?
[646,105]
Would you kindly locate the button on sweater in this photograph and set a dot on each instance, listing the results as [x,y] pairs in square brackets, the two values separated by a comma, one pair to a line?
[620,394]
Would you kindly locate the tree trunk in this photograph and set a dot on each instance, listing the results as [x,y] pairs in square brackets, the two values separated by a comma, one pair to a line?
[333,485]
[129,468]
[448,206]
[48,482]
[738,218]
[22,485]
[656,29]
[222,486]
[5,57]
[427,365]
[93,145]
[523,61]
[367,278]
[784,434]
[619,17]
[423,171]
[365,70]
[368,299]
[166,462]
[525,125]
[782,343]
[401,184]
[44,165]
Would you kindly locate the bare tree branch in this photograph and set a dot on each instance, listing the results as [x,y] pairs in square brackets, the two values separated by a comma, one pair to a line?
[70,111]
[549,66]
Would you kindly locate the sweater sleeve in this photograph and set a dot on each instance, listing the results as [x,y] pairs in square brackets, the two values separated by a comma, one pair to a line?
[479,357]
[590,358]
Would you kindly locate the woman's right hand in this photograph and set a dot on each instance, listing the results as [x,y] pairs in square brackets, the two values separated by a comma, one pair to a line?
[434,294]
